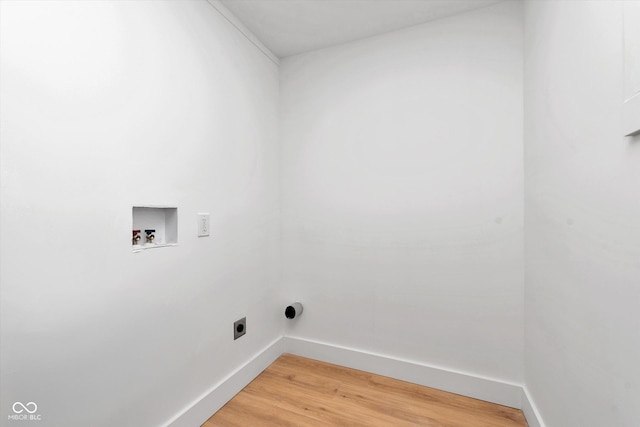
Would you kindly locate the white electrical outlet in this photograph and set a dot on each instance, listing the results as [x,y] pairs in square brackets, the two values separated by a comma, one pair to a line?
[203,224]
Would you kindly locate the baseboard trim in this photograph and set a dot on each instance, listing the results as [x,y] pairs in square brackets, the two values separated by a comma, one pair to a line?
[215,398]
[490,390]
[455,382]
[530,410]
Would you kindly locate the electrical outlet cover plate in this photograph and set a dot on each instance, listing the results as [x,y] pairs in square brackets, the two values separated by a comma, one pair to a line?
[239,328]
[203,224]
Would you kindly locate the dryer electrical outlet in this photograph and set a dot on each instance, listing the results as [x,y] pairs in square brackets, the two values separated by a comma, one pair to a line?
[239,328]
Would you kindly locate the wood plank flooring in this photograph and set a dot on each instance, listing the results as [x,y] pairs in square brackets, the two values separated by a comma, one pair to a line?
[295,391]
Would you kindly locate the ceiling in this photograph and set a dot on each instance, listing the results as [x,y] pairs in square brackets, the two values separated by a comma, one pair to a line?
[289,27]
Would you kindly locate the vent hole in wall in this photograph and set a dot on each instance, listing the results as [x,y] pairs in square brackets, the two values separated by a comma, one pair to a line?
[290,312]
[293,311]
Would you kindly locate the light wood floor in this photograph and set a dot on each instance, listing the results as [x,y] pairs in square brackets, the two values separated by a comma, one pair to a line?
[295,391]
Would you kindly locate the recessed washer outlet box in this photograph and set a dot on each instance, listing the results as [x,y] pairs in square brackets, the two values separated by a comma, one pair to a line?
[239,328]
[154,227]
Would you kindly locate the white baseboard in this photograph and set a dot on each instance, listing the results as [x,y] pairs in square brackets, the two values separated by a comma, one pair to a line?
[455,382]
[216,397]
[487,389]
[530,410]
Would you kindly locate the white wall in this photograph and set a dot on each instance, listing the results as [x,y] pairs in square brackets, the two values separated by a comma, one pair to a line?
[402,193]
[582,210]
[106,105]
